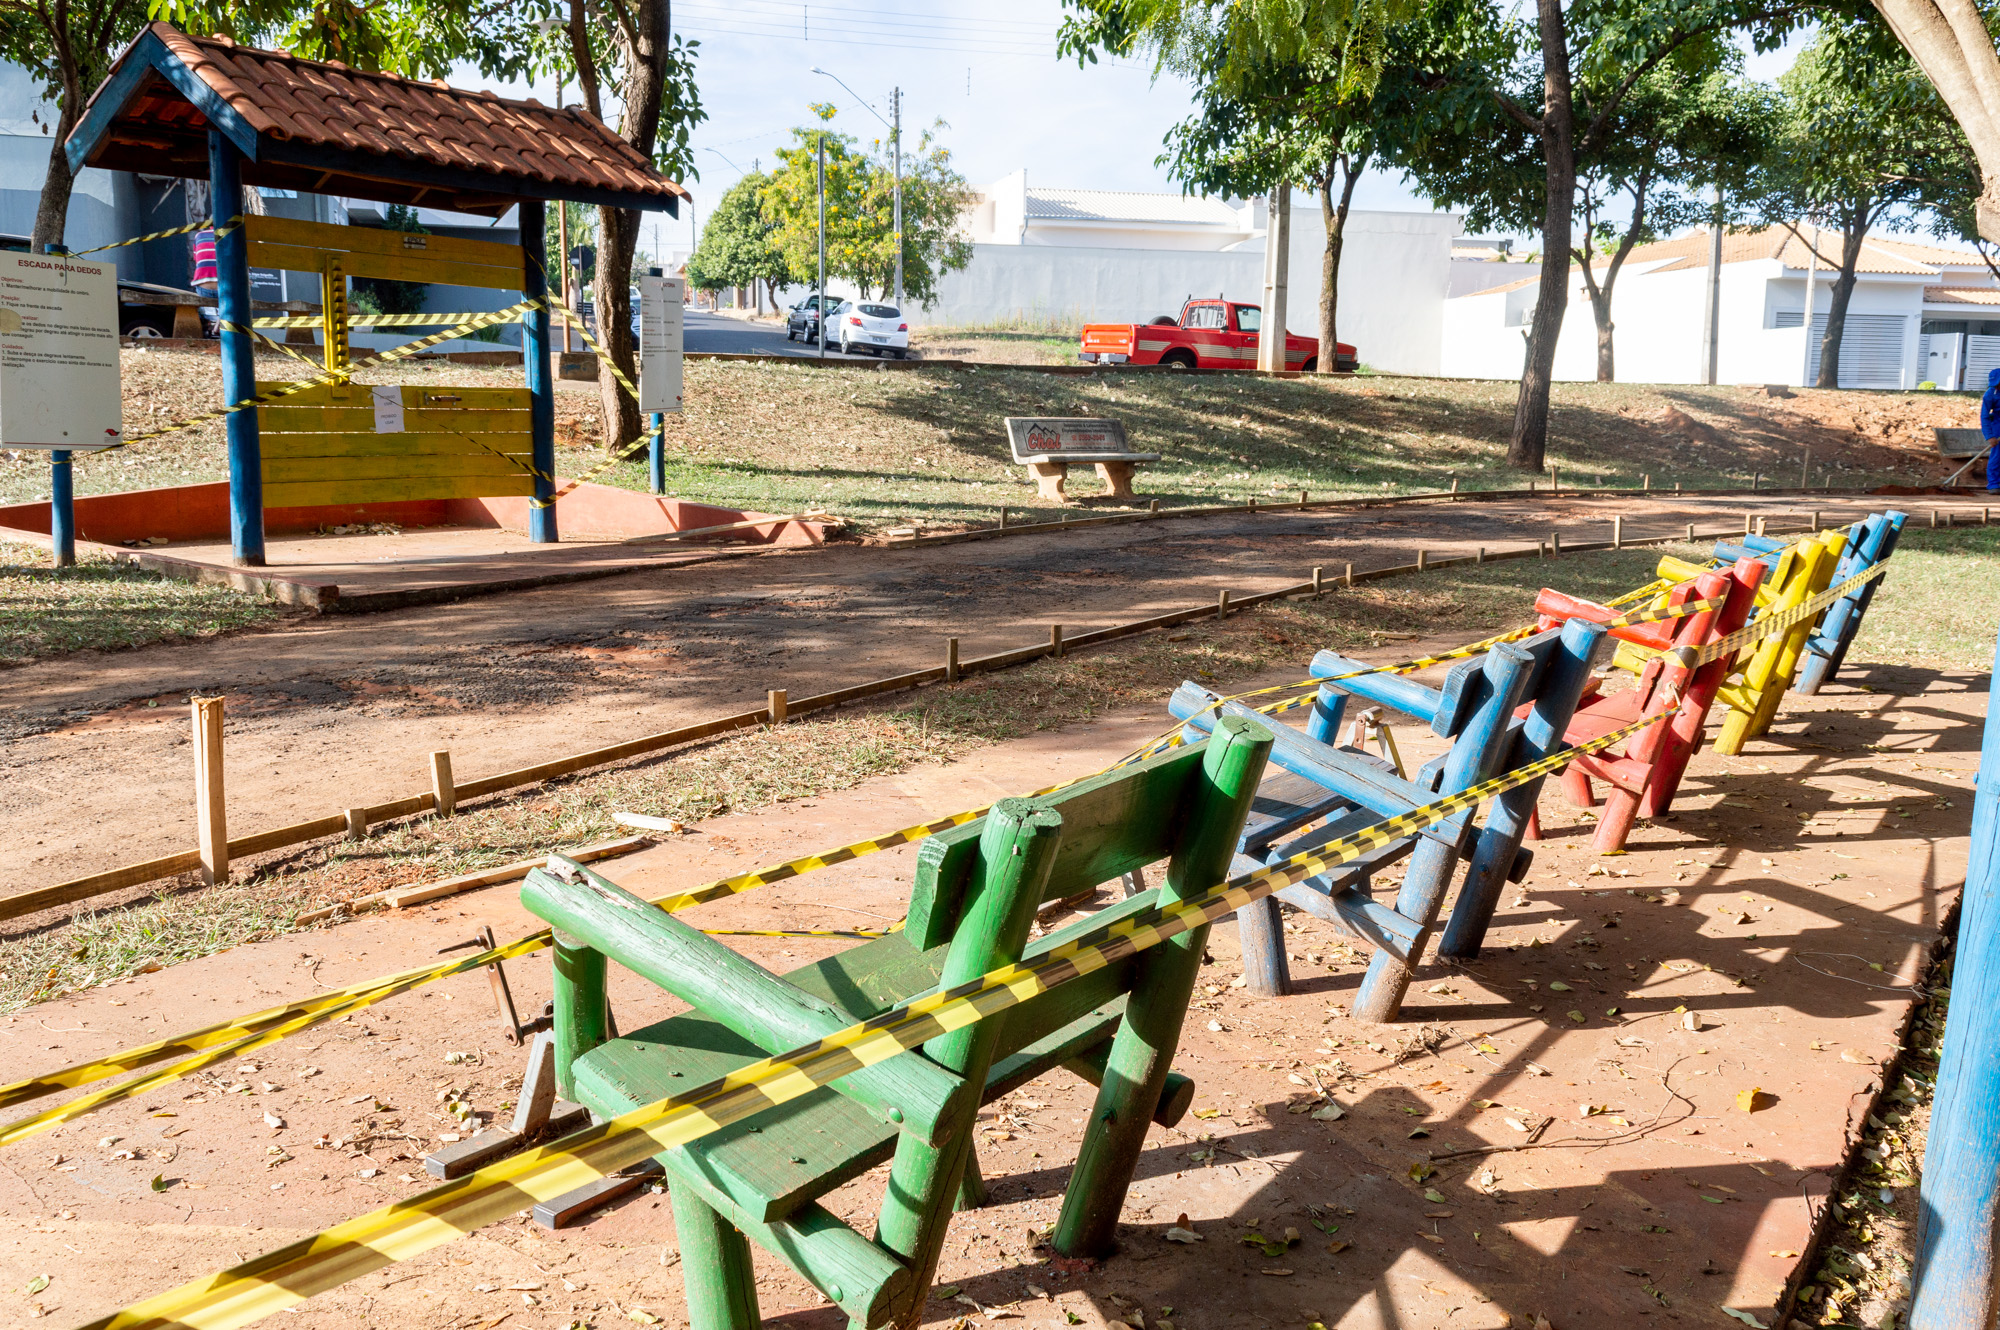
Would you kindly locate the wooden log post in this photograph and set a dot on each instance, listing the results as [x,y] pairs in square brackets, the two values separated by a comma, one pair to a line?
[1152,505]
[1956,1282]
[357,824]
[1555,544]
[1805,471]
[1319,580]
[1222,603]
[1479,555]
[1055,640]
[239,370]
[211,822]
[1757,480]
[1617,532]
[1646,483]
[1555,481]
[1003,517]
[444,794]
[1348,576]
[1454,484]
[1749,524]
[1302,500]
[951,660]
[1762,522]
[1423,560]
[1143,1049]
[775,704]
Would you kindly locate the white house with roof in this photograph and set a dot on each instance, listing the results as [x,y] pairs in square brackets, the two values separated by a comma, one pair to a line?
[1056,255]
[1919,313]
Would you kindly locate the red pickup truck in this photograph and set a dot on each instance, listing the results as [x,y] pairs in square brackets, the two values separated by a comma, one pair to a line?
[1210,334]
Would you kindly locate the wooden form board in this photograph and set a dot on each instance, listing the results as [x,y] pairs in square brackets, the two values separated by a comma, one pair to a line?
[367,251]
[321,446]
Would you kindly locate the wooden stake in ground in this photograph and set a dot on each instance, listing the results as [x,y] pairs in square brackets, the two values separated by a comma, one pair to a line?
[951,660]
[444,794]
[211,824]
[776,703]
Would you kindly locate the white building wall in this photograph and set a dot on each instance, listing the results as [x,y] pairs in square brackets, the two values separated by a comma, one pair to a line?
[1657,326]
[1394,270]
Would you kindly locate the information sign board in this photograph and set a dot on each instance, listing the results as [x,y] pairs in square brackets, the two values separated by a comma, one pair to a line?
[58,353]
[660,343]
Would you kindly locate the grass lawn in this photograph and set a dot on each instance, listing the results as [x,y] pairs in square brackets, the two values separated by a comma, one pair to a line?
[928,446]
[1939,603]
[101,604]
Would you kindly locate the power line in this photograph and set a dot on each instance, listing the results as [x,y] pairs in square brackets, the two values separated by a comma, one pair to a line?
[986,48]
[805,11]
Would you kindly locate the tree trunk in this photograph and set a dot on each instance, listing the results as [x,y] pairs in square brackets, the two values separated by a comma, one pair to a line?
[52,213]
[645,63]
[1836,313]
[1558,124]
[1949,41]
[1335,218]
[1600,308]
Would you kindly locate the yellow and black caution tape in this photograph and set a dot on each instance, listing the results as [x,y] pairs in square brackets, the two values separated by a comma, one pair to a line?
[405,1229]
[223,1041]
[366,320]
[1767,625]
[402,352]
[189,229]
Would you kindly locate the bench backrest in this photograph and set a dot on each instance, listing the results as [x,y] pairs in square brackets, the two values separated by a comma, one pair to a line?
[1055,439]
[1111,824]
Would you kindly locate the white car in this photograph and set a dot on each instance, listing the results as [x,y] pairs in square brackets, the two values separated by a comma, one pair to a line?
[876,328]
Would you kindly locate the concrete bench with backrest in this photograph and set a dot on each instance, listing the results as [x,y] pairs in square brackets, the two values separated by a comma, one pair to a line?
[1048,447]
[973,901]
[1344,790]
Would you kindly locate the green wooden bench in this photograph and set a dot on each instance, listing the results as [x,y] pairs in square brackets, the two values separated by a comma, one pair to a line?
[972,902]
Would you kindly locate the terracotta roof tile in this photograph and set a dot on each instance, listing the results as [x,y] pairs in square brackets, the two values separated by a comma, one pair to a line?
[1962,295]
[420,123]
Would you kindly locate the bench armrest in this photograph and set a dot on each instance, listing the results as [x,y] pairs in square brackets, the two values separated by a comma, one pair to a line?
[909,1091]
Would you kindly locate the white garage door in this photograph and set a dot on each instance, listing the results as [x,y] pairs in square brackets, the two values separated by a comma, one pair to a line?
[1982,355]
[1871,348]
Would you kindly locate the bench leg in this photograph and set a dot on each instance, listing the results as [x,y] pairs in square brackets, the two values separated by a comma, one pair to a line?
[1576,786]
[1262,934]
[971,1186]
[1049,477]
[1534,831]
[1135,1070]
[1614,824]
[1486,877]
[1117,477]
[583,1013]
[715,1266]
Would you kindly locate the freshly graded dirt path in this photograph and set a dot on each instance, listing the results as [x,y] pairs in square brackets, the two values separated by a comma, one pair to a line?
[333,712]
[1788,901]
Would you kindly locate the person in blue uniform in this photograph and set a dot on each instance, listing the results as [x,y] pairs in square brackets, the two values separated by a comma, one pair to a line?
[1989,427]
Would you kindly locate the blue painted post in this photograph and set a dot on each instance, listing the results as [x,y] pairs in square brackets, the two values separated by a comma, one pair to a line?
[656,452]
[1961,1188]
[1827,648]
[541,383]
[1507,825]
[239,367]
[62,510]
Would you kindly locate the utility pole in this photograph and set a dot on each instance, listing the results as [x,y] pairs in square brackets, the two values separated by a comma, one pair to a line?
[820,320]
[896,142]
[1277,263]
[1711,326]
[1812,272]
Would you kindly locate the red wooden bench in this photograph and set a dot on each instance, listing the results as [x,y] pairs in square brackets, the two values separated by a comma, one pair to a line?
[1642,779]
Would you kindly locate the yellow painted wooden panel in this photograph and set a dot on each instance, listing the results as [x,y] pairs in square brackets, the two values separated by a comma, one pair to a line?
[310,493]
[439,396]
[353,420]
[414,266]
[377,240]
[284,469]
[393,445]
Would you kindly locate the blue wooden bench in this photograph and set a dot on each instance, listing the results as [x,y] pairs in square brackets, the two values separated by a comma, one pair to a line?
[973,899]
[1869,542]
[1342,790]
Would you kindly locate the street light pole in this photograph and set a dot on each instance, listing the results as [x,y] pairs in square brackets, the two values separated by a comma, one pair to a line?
[896,148]
[820,320]
[896,142]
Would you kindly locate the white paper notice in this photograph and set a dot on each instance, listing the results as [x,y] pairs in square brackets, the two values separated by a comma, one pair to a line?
[660,343]
[388,408]
[58,353]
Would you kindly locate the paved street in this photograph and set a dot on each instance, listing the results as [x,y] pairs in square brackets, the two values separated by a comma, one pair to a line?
[719,332]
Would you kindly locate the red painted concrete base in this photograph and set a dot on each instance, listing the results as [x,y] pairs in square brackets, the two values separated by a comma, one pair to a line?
[201,512]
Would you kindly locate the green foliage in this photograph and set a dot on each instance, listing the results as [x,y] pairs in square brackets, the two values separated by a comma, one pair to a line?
[387,297]
[739,244]
[860,215]
[414,38]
